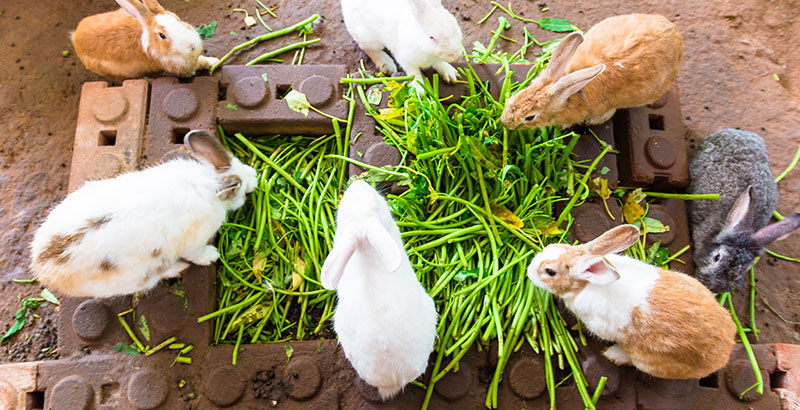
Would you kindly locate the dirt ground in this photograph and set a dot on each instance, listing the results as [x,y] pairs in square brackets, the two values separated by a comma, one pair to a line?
[733,50]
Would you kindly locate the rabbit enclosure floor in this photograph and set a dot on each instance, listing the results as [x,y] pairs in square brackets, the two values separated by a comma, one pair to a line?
[733,51]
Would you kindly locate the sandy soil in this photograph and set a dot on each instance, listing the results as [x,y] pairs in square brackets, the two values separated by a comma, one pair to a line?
[732,51]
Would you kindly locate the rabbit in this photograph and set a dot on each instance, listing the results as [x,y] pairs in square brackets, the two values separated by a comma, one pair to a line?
[730,232]
[625,61]
[123,235]
[418,33]
[385,321]
[665,323]
[139,39]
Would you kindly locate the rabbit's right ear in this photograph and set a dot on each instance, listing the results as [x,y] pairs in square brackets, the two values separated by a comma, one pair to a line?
[135,8]
[562,55]
[614,240]
[206,147]
[388,250]
[777,230]
[344,246]
[740,217]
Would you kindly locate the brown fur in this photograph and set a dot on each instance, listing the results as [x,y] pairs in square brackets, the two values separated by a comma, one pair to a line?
[57,247]
[562,283]
[156,253]
[106,265]
[649,49]
[685,334]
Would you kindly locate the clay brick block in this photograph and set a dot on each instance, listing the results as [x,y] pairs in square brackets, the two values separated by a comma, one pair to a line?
[92,323]
[492,75]
[786,380]
[592,219]
[652,144]
[18,385]
[175,109]
[588,148]
[253,106]
[672,212]
[110,130]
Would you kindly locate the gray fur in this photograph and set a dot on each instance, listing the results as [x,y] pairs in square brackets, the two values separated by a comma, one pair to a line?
[727,162]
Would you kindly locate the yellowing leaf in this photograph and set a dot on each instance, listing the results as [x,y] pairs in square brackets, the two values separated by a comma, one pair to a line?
[299,267]
[297,102]
[652,225]
[390,113]
[507,216]
[638,195]
[599,186]
[259,263]
[143,328]
[256,312]
[552,229]
[631,210]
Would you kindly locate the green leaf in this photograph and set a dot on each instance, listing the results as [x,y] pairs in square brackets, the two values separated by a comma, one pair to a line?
[503,22]
[143,328]
[127,349]
[233,33]
[207,30]
[18,324]
[374,95]
[50,297]
[289,350]
[557,25]
[231,107]
[297,102]
[463,274]
[653,225]
[264,77]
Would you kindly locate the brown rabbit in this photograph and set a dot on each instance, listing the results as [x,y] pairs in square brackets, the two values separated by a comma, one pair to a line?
[623,61]
[137,40]
[665,323]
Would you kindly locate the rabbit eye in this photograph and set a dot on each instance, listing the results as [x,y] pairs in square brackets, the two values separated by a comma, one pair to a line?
[432,38]
[717,257]
[163,37]
[530,118]
[550,272]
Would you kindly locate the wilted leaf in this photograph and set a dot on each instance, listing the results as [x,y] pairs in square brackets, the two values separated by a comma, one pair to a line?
[386,114]
[631,210]
[259,263]
[297,102]
[141,322]
[256,312]
[127,349]
[207,30]
[652,225]
[299,267]
[552,229]
[557,25]
[507,216]
[599,186]
[49,296]
[398,93]
[374,95]
[638,195]
[289,350]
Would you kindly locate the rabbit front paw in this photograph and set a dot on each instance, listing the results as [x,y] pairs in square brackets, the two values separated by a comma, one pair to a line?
[204,63]
[202,256]
[447,71]
[617,356]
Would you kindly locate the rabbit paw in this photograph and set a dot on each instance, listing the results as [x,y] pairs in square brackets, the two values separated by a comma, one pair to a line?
[174,270]
[202,256]
[599,119]
[617,356]
[382,61]
[204,63]
[447,71]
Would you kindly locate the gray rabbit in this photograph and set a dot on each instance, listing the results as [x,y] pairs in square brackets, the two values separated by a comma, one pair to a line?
[729,233]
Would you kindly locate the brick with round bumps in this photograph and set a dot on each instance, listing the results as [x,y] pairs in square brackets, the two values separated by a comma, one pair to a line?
[72,392]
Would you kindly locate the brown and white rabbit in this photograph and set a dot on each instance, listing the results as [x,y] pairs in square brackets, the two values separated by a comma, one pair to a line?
[664,323]
[623,61]
[139,39]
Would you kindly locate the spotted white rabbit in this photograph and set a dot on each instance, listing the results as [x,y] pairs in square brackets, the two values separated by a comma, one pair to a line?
[664,323]
[122,235]
[385,321]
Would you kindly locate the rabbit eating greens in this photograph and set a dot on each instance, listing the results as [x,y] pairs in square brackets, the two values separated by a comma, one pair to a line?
[139,39]
[730,232]
[122,235]
[418,33]
[664,323]
[623,61]
[385,321]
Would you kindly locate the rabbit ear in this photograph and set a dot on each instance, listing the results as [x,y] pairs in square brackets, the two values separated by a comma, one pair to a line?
[344,246]
[380,239]
[613,241]
[600,272]
[205,146]
[418,7]
[154,6]
[574,81]
[228,187]
[775,231]
[562,55]
[135,8]
[739,217]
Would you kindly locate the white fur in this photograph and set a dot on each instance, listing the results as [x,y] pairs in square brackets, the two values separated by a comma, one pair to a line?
[385,321]
[185,44]
[395,25]
[172,208]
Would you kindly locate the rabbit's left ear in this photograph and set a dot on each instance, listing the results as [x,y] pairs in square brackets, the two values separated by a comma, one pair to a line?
[777,230]
[388,250]
[206,147]
[739,217]
[612,241]
[344,246]
[573,82]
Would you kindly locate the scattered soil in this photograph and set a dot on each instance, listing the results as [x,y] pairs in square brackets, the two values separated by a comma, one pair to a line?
[733,48]
[269,386]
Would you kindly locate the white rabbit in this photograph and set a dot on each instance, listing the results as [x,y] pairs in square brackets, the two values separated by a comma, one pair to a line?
[665,323]
[122,235]
[418,33]
[138,39]
[385,320]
